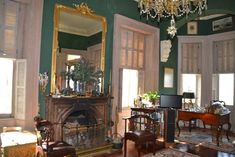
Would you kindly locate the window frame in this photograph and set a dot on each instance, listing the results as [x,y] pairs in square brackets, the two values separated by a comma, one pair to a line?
[9,54]
[207,62]
[216,87]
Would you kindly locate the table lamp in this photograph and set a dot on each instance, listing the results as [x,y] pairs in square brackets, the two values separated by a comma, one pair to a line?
[190,96]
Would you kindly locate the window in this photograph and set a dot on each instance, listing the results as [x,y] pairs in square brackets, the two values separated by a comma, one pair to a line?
[6,83]
[8,26]
[211,58]
[135,47]
[191,69]
[129,87]
[223,88]
[192,83]
[223,69]
[132,61]
[132,49]
[191,57]
[9,11]
[71,57]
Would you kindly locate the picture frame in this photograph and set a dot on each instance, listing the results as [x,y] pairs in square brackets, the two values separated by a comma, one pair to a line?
[192,27]
[222,24]
[168,77]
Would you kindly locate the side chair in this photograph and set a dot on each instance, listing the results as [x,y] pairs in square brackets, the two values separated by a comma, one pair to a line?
[46,146]
[141,129]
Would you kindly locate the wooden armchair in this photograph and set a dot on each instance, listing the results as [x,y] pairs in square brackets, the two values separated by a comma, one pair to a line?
[142,130]
[46,146]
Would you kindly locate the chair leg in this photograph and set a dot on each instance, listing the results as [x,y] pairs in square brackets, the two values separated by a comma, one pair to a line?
[138,148]
[154,146]
[74,154]
[125,145]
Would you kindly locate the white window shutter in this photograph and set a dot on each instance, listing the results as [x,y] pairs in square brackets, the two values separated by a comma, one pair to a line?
[20,89]
[191,58]
[224,58]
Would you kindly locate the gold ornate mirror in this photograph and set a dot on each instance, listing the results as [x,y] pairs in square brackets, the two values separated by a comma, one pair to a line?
[78,32]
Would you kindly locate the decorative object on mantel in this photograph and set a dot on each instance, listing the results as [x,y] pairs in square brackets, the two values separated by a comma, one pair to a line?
[171,9]
[86,78]
[165,50]
[43,81]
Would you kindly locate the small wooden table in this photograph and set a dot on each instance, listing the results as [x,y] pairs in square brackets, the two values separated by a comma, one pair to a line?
[216,120]
[18,144]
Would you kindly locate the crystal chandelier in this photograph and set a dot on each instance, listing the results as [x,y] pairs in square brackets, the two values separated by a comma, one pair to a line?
[171,8]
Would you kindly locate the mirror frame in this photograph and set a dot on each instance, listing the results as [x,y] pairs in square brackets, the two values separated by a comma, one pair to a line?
[84,10]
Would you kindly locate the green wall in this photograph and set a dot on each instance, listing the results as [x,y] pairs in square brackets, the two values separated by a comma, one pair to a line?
[214,7]
[72,41]
[108,8]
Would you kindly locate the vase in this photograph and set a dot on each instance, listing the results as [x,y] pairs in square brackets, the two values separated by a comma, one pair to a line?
[82,88]
[75,86]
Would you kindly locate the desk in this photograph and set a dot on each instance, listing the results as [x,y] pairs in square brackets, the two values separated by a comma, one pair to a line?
[18,144]
[216,120]
[143,110]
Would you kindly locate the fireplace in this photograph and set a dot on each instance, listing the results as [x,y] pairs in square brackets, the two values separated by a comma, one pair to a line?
[80,121]
[84,129]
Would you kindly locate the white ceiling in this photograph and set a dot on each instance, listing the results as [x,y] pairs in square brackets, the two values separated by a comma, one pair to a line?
[79,24]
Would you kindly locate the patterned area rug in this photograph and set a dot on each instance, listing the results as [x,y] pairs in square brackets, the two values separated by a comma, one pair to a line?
[204,138]
[170,152]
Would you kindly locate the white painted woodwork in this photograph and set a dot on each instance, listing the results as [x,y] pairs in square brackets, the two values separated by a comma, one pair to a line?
[150,72]
[31,52]
[20,89]
[28,44]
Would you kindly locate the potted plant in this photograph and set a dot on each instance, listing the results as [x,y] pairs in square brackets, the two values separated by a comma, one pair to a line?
[84,74]
[151,96]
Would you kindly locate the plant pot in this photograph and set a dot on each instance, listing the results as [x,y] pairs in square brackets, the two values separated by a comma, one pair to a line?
[117,141]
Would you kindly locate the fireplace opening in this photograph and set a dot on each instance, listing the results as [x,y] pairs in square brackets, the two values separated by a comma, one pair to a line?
[84,129]
[84,117]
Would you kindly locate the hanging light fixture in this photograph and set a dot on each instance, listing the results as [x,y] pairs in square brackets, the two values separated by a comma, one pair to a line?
[171,8]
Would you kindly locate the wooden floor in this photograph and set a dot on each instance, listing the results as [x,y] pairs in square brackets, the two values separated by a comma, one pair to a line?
[131,150]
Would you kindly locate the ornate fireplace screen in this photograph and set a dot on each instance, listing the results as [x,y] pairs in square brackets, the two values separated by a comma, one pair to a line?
[83,130]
